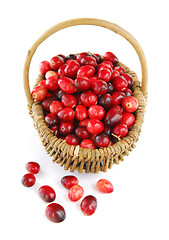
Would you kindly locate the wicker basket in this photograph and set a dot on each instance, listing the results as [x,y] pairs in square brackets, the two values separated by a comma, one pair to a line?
[75,157]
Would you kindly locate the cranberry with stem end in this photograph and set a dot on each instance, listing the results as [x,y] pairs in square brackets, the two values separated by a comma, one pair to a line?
[69,181]
[82,83]
[72,68]
[105,186]
[105,101]
[119,83]
[81,112]
[88,98]
[128,119]
[56,62]
[82,133]
[67,85]
[99,87]
[88,205]
[86,71]
[28,180]
[130,104]
[72,139]
[39,92]
[55,107]
[117,97]
[44,67]
[47,193]
[88,143]
[68,100]
[102,140]
[104,73]
[55,212]
[113,116]
[33,167]
[75,193]
[66,128]
[95,126]
[52,83]
[109,56]
[51,119]
[96,111]
[66,114]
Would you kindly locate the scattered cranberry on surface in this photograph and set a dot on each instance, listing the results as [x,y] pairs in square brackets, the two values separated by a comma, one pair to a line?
[75,193]
[47,193]
[28,180]
[88,205]
[69,181]
[55,212]
[33,167]
[104,186]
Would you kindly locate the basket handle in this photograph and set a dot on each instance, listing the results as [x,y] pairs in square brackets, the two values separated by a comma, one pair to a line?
[85,21]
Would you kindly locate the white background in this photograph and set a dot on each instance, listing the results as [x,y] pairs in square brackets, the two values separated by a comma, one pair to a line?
[138,208]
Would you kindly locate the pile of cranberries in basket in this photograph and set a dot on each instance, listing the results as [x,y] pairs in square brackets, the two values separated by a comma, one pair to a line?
[87,99]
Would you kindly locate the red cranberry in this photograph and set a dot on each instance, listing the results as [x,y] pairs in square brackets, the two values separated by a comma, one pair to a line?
[120,69]
[55,107]
[66,114]
[115,74]
[66,128]
[88,205]
[99,87]
[47,101]
[107,64]
[72,68]
[118,108]
[69,181]
[51,119]
[55,212]
[47,193]
[87,143]
[67,85]
[102,140]
[109,56]
[63,57]
[39,92]
[86,71]
[128,92]
[104,186]
[130,104]
[61,70]
[81,112]
[82,133]
[55,130]
[52,83]
[88,98]
[88,60]
[113,117]
[28,180]
[120,83]
[82,83]
[51,74]
[120,130]
[105,101]
[42,83]
[97,57]
[71,139]
[95,126]
[83,123]
[96,111]
[110,87]
[129,79]
[117,97]
[44,67]
[69,101]
[104,73]
[128,119]
[75,193]
[33,167]
[81,55]
[56,62]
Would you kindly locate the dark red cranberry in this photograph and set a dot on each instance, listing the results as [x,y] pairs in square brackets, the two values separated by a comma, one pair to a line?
[33,167]
[88,60]
[129,79]
[86,71]
[107,130]
[97,57]
[104,73]
[82,133]
[67,85]
[109,56]
[95,126]
[44,67]
[110,87]
[128,92]
[28,180]
[69,181]
[128,119]
[47,101]
[105,101]
[82,83]
[81,112]
[113,117]
[88,205]
[88,98]
[120,69]
[51,119]
[120,83]
[81,55]
[72,68]
[56,62]
[39,92]
[66,128]
[102,140]
[47,193]
[59,93]
[55,130]
[96,111]
[117,97]
[87,143]
[66,114]
[130,104]
[83,123]
[72,139]
[55,107]
[120,130]
[63,57]
[55,212]
[72,56]
[99,87]
[68,101]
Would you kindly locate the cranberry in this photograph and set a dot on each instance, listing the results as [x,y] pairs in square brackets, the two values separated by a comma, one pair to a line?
[81,112]
[72,139]
[33,167]
[107,64]
[82,133]
[87,143]
[66,114]
[39,92]
[61,70]
[113,116]
[56,62]
[97,57]
[96,111]
[107,130]
[105,186]
[109,56]
[110,87]
[51,74]
[88,205]
[72,68]
[117,97]
[51,119]
[55,107]
[75,193]
[95,126]
[88,60]
[67,85]
[82,83]
[92,79]
[86,71]
[83,123]
[104,73]
[69,181]
[129,79]
[28,180]
[102,140]
[105,101]
[69,101]
[118,108]
[63,57]
[65,128]
[72,56]
[99,87]
[120,130]
[55,212]
[115,74]
[81,55]
[47,193]
[52,83]
[120,83]
[44,67]
[42,83]
[130,104]
[88,98]
[120,69]
[59,93]
[47,101]
[128,92]
[128,119]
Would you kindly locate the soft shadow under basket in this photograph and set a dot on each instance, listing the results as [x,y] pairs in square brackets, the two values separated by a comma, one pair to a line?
[75,157]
